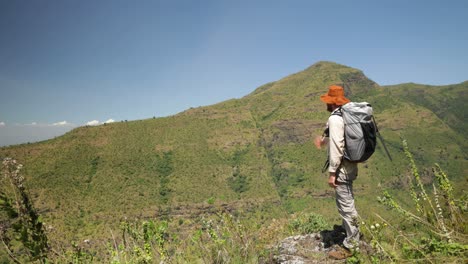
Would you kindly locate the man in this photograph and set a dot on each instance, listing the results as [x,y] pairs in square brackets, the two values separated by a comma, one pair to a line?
[342,173]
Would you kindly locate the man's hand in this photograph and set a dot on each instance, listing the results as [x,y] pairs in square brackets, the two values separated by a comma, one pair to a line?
[332,180]
[319,141]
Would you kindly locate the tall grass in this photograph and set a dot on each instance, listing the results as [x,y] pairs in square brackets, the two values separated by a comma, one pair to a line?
[439,220]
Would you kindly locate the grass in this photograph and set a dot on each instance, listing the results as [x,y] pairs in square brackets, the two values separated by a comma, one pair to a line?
[251,235]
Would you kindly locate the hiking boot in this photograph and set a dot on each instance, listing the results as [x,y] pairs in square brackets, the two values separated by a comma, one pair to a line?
[340,253]
[339,228]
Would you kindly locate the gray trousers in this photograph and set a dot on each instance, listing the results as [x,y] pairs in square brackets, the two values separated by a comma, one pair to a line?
[347,210]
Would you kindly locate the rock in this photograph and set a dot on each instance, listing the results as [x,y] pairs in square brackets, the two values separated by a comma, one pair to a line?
[311,248]
[302,249]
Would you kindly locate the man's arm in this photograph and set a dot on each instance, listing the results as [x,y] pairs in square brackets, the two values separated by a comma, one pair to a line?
[336,126]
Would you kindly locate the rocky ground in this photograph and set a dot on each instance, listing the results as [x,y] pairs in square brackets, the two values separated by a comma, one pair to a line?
[313,248]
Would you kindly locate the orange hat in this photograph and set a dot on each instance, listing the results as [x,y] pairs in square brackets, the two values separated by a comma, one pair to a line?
[335,95]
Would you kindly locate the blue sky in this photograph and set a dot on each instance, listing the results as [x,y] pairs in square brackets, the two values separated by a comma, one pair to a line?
[67,63]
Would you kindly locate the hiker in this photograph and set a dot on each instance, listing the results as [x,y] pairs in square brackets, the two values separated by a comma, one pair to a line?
[342,172]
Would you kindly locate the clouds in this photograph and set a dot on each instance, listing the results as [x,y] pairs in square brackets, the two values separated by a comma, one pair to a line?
[36,124]
[63,123]
[60,123]
[93,123]
[12,134]
[96,122]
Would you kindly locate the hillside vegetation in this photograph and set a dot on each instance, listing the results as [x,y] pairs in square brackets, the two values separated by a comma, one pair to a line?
[252,155]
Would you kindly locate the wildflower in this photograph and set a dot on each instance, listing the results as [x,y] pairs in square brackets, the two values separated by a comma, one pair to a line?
[372,227]
[377,225]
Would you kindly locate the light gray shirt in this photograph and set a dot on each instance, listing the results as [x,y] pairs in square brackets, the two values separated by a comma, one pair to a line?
[345,171]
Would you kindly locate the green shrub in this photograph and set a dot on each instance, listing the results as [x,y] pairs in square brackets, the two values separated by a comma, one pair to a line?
[238,183]
[20,224]
[308,223]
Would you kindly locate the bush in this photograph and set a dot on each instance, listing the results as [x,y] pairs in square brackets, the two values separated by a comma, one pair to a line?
[308,223]
[239,183]
[20,223]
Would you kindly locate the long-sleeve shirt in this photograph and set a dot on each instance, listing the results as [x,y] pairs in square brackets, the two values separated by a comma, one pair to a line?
[345,171]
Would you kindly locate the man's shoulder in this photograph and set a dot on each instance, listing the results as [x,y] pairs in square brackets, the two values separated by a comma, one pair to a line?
[337,112]
[335,118]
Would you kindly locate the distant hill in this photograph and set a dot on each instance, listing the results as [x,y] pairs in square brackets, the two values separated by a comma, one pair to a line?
[249,152]
[447,102]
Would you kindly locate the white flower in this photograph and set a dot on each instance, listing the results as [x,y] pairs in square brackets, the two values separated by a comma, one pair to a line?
[372,227]
[377,225]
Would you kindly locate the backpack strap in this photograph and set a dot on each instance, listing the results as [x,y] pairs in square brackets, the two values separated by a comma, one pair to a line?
[326,165]
[381,139]
[338,112]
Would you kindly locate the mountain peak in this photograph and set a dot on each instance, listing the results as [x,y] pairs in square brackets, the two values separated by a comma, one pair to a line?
[319,76]
[328,64]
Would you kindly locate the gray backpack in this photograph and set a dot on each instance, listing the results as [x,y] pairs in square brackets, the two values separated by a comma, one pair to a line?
[360,131]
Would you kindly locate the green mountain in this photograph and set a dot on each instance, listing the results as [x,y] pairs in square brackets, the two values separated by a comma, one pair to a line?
[447,102]
[254,153]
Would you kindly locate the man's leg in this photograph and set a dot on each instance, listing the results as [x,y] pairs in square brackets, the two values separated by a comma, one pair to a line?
[347,210]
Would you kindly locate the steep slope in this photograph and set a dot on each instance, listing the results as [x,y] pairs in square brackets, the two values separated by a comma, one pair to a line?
[254,151]
[447,102]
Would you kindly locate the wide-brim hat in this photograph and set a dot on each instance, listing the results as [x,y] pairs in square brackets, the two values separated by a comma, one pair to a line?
[335,95]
